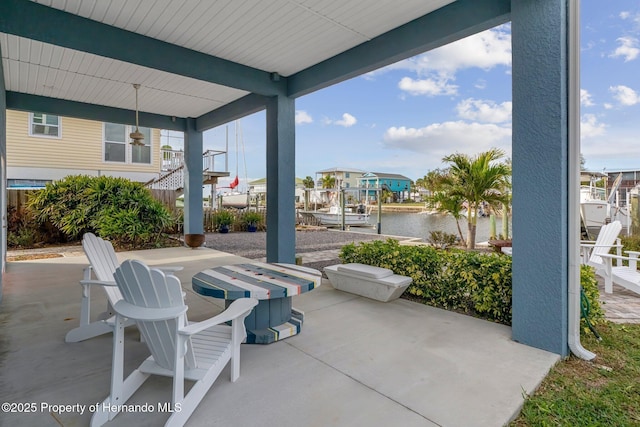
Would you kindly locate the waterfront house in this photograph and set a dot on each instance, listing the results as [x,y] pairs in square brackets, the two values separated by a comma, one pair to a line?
[204,70]
[398,185]
[344,177]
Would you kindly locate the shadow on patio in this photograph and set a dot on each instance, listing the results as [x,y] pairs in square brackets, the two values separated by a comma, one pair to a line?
[356,362]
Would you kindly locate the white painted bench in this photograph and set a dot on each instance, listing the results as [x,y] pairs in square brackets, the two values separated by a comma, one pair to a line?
[368,281]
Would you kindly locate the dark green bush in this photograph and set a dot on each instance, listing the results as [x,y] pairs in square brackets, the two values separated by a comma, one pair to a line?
[470,282]
[114,208]
[589,285]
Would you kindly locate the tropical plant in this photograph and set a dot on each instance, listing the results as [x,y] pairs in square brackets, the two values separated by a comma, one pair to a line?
[439,182]
[328,181]
[478,180]
[308,182]
[223,218]
[252,220]
[115,208]
[252,217]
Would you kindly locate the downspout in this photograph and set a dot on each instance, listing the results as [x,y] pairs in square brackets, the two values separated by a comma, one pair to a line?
[573,53]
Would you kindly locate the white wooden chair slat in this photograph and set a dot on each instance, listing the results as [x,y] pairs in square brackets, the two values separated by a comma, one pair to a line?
[178,349]
[625,276]
[593,254]
[103,263]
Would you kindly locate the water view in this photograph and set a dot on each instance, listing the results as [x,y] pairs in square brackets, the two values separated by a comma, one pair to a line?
[419,225]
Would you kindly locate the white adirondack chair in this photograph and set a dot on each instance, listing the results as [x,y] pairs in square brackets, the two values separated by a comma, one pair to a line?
[625,276]
[607,238]
[103,263]
[196,352]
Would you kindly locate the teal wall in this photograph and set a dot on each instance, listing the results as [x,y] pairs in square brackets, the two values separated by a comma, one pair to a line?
[540,173]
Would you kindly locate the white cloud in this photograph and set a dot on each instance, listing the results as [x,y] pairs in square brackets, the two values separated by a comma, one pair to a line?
[347,121]
[429,87]
[624,14]
[303,117]
[441,139]
[585,98]
[624,95]
[590,127]
[480,84]
[484,111]
[484,50]
[607,106]
[628,49]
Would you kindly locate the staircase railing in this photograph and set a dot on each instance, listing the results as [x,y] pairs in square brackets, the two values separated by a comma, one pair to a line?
[172,168]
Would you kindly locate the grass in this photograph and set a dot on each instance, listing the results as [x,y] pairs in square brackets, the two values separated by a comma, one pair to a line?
[603,392]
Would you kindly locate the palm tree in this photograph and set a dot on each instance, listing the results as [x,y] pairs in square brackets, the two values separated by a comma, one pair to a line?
[308,182]
[477,180]
[328,181]
[439,183]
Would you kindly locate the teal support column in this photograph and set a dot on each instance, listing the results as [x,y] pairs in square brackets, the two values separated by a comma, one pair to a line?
[281,156]
[539,31]
[3,175]
[193,215]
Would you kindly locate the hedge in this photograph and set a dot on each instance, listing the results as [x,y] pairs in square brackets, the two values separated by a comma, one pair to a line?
[475,283]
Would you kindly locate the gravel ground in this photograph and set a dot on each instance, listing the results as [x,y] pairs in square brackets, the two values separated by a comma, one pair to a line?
[253,245]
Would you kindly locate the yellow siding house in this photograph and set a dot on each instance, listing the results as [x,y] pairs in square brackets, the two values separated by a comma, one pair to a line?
[44,147]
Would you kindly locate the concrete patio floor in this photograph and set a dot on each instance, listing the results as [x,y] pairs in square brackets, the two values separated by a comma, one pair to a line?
[357,362]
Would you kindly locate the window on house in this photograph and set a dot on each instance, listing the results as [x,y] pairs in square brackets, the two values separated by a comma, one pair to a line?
[115,142]
[46,125]
[347,174]
[118,149]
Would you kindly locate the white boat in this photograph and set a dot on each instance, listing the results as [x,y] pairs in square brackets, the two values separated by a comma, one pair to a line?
[597,210]
[235,200]
[333,217]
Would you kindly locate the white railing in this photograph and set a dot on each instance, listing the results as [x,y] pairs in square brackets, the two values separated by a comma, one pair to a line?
[171,159]
[209,161]
[172,168]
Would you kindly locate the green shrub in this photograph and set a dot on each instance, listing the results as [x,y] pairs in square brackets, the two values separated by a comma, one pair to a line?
[115,208]
[471,282]
[589,285]
[223,217]
[441,239]
[252,218]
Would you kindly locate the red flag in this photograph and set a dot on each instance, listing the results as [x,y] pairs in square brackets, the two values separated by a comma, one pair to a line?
[234,183]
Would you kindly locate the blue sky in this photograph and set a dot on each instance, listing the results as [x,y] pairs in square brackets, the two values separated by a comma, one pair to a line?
[405,117]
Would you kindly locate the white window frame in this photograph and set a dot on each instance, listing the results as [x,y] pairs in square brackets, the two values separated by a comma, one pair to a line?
[40,135]
[128,154]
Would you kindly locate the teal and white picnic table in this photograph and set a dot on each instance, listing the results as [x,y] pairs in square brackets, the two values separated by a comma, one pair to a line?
[273,285]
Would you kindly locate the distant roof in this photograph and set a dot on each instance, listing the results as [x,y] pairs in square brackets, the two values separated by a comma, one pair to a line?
[341,169]
[386,175]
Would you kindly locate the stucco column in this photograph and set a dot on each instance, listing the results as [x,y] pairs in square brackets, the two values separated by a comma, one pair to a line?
[193,214]
[540,173]
[281,156]
[3,174]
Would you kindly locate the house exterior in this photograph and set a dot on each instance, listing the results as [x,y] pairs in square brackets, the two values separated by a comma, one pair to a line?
[45,147]
[345,177]
[258,188]
[399,185]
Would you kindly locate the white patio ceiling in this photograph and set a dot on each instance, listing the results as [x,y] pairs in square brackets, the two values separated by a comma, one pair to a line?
[275,36]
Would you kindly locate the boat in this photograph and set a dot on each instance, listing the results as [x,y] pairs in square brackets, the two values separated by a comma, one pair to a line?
[235,199]
[357,217]
[596,209]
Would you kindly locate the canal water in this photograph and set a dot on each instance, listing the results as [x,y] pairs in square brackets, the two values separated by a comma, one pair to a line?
[421,224]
